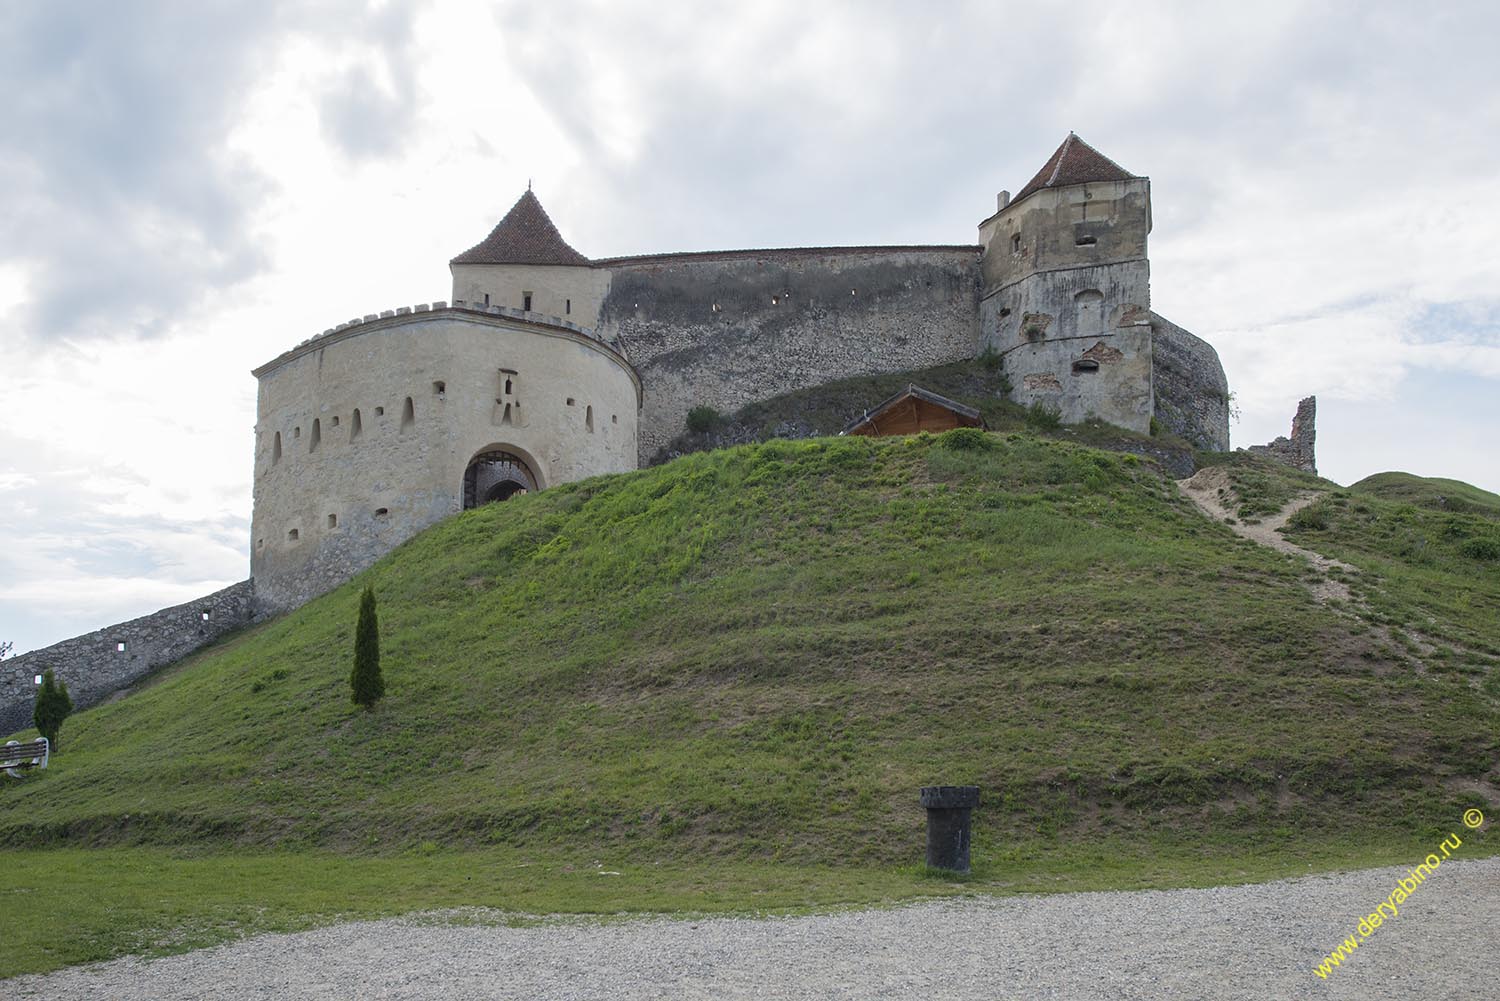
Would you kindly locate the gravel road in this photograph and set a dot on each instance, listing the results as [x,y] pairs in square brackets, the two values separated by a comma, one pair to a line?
[1253,942]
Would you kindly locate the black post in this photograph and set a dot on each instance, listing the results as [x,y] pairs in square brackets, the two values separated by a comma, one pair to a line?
[948,825]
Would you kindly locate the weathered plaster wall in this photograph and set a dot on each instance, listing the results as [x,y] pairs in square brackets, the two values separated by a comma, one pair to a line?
[93,666]
[573,293]
[723,330]
[358,474]
[1080,225]
[1192,394]
[1077,340]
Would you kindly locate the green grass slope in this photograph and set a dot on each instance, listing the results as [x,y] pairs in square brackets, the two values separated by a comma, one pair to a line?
[761,653]
[1436,493]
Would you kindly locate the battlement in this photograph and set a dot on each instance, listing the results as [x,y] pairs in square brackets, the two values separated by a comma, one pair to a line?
[375,321]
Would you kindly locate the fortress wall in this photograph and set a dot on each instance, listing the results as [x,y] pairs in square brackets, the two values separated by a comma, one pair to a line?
[1192,393]
[94,666]
[338,499]
[726,329]
[1050,326]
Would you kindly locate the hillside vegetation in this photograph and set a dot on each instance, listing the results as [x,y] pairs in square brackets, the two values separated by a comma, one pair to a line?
[1436,493]
[763,652]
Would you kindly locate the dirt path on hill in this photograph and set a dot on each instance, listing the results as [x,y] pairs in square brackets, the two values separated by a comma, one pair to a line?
[1203,489]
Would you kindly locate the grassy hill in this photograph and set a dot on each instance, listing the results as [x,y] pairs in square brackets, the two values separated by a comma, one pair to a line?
[747,661]
[1430,492]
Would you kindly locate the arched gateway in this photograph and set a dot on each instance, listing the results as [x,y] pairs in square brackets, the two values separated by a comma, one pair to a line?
[496,475]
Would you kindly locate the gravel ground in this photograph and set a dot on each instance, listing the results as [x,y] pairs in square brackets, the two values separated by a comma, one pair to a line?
[1254,942]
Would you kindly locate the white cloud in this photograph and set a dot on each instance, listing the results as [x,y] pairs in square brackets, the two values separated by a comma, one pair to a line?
[1322,179]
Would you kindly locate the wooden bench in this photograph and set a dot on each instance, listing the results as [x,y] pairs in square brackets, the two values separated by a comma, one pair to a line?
[15,756]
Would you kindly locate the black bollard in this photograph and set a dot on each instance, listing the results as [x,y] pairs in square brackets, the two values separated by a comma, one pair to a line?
[948,825]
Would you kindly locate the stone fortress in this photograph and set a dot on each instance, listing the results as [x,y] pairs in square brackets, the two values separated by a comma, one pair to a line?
[547,367]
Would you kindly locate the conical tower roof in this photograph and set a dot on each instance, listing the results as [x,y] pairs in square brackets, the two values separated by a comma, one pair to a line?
[1075,162]
[525,236]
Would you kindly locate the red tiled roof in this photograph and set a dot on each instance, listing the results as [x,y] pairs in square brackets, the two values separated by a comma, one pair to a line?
[525,236]
[1075,162]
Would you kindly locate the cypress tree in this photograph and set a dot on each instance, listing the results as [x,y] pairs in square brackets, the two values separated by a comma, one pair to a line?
[365,680]
[53,704]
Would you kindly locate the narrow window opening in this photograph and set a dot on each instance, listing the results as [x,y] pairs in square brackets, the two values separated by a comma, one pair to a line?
[486,298]
[204,615]
[1015,244]
[333,521]
[570,401]
[260,543]
[1005,311]
[567,307]
[1085,365]
[614,418]
[854,291]
[296,432]
[526,301]
[380,411]
[316,436]
[440,388]
[716,307]
[381,512]
[774,300]
[334,420]
[37,680]
[408,415]
[276,449]
[507,387]
[120,647]
[355,427]
[588,419]
[1085,241]
[292,535]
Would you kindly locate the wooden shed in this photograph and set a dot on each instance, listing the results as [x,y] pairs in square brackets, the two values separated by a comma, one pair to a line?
[914,409]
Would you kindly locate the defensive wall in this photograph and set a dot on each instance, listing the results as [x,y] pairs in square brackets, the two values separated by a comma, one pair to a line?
[1192,394]
[102,662]
[370,432]
[723,329]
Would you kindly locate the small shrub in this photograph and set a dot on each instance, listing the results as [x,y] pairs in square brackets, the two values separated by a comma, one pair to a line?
[365,681]
[1312,518]
[701,420]
[53,705]
[1481,549]
[990,360]
[1155,428]
[966,440]
[1043,417]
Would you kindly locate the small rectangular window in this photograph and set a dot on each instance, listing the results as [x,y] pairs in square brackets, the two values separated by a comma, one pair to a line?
[486,298]
[120,647]
[567,307]
[526,301]
[38,680]
[291,536]
[333,521]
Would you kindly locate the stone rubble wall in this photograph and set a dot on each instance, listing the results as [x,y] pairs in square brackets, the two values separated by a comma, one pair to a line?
[1192,393]
[1298,451]
[726,329]
[94,667]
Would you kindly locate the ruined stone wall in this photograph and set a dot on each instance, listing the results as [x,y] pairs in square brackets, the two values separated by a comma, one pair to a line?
[1298,451]
[1192,393]
[726,329]
[102,662]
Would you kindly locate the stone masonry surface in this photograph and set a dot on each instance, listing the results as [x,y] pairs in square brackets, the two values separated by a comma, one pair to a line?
[1192,395]
[1298,451]
[94,665]
[725,330]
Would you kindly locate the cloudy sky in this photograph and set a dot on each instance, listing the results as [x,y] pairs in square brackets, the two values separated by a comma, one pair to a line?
[189,188]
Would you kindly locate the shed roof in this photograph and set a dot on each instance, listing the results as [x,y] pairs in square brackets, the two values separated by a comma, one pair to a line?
[525,236]
[907,408]
[1074,162]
